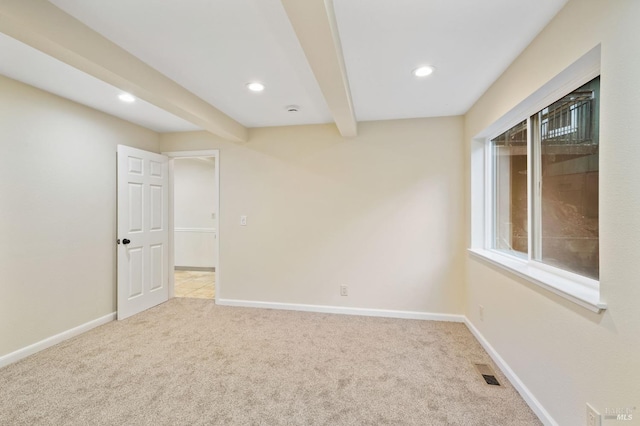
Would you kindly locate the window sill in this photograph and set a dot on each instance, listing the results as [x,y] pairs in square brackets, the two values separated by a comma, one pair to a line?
[585,293]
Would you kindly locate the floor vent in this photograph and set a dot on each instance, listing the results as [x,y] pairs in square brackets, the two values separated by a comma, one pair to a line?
[487,374]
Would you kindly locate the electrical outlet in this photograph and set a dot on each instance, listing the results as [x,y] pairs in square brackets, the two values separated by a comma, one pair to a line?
[481,312]
[344,290]
[593,417]
[243,221]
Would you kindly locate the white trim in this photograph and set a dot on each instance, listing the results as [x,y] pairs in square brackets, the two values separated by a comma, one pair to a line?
[575,75]
[534,209]
[203,230]
[489,231]
[54,340]
[580,290]
[172,239]
[478,188]
[524,392]
[215,153]
[192,154]
[385,313]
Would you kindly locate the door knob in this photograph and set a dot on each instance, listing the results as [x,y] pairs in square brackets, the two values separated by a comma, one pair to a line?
[126,241]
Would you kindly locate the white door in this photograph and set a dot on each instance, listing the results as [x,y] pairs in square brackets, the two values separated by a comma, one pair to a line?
[143,234]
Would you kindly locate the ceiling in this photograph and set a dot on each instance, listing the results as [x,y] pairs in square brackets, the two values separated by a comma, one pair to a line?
[342,61]
[26,64]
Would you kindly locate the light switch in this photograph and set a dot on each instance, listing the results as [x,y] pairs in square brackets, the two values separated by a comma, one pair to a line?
[243,221]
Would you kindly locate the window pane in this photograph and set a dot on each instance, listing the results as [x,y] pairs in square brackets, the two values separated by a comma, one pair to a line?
[569,181]
[510,189]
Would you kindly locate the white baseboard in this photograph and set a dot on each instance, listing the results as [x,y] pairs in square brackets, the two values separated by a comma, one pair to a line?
[524,392]
[54,340]
[342,310]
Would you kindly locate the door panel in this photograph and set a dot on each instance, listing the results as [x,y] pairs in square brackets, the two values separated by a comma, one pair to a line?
[156,169]
[156,268]
[142,230]
[136,194]
[136,274]
[135,165]
[157,218]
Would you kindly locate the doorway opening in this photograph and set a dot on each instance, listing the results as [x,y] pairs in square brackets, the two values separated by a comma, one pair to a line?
[193,213]
[193,283]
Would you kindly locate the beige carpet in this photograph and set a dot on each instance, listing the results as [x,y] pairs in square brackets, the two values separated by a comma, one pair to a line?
[190,362]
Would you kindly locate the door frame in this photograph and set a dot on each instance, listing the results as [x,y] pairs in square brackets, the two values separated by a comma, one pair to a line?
[215,153]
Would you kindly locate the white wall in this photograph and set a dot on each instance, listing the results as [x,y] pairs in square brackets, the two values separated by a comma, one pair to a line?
[566,355]
[57,212]
[381,213]
[194,204]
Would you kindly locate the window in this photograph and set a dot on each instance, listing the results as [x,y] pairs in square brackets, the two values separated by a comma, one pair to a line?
[540,192]
[566,152]
[561,141]
[509,158]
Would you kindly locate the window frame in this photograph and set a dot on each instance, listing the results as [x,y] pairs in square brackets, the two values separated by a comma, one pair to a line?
[491,195]
[579,289]
[490,192]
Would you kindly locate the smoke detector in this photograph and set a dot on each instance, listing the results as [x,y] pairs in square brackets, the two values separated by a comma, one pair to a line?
[292,108]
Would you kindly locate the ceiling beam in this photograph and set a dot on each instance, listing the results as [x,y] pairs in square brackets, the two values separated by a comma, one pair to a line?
[315,25]
[47,28]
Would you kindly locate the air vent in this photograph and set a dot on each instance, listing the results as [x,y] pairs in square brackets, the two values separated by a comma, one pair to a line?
[487,374]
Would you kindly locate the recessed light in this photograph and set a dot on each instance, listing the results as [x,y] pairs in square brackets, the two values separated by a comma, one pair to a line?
[127,97]
[255,86]
[423,71]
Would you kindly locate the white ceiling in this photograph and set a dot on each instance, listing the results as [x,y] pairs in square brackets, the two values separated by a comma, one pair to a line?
[214,47]
[30,66]
[469,42]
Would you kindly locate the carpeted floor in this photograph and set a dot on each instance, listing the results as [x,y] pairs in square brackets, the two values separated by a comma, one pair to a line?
[190,362]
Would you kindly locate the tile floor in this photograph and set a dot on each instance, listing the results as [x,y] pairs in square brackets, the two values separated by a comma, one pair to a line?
[196,284]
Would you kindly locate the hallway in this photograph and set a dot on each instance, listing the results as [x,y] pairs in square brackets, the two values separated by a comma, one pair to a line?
[195,284]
